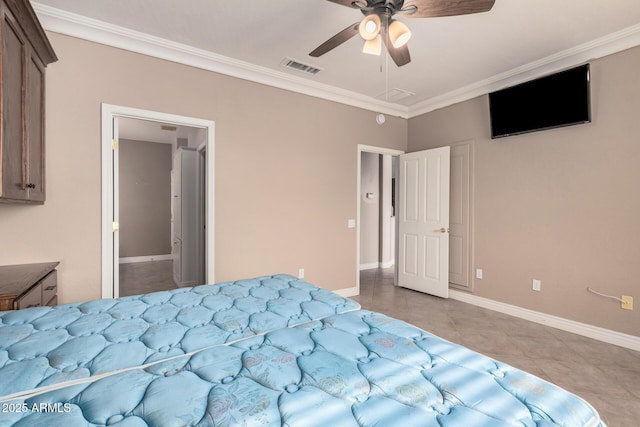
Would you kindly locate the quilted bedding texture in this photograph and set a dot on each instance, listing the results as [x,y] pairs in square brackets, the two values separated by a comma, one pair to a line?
[44,346]
[357,369]
[273,351]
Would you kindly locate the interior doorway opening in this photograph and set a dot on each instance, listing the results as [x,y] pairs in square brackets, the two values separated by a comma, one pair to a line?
[458,226]
[161,181]
[376,210]
[136,238]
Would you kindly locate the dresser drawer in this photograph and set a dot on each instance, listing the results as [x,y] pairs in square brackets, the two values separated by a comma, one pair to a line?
[52,302]
[33,298]
[49,287]
[28,285]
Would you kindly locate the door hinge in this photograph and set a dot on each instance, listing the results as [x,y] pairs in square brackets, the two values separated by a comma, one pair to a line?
[116,226]
[114,144]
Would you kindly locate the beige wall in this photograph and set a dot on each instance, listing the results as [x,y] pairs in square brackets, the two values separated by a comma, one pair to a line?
[285,169]
[561,205]
[145,198]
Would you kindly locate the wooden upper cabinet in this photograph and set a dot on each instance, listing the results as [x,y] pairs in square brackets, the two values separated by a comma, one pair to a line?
[25,52]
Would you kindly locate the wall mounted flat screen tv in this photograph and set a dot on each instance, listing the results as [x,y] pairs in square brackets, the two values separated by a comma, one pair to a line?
[557,100]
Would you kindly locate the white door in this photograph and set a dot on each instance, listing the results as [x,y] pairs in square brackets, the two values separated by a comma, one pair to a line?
[423,228]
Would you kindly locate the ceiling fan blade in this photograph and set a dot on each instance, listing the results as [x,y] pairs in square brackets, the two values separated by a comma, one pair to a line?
[436,8]
[349,3]
[400,55]
[336,40]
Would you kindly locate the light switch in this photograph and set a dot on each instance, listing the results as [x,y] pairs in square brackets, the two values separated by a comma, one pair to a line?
[351,223]
[536,284]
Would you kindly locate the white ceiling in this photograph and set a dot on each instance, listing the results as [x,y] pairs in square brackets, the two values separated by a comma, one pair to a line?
[147,130]
[453,58]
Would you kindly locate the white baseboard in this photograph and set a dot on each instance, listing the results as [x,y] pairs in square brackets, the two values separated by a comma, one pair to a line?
[369,266]
[601,334]
[374,265]
[606,335]
[146,258]
[347,292]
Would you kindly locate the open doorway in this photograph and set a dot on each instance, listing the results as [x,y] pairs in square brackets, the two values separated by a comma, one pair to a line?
[460,262]
[161,181]
[377,211]
[151,162]
[379,174]
[376,208]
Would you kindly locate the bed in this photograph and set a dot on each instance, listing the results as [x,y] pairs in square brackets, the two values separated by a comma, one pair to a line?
[267,351]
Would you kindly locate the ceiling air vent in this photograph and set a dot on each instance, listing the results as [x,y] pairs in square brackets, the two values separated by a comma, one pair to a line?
[395,95]
[299,66]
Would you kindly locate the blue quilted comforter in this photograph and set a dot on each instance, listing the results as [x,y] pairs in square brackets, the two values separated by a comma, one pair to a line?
[271,351]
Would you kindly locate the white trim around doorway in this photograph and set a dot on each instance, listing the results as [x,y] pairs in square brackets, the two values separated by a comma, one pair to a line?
[109,112]
[363,149]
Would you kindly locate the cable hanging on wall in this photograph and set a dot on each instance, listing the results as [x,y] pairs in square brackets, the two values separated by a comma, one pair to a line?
[605,295]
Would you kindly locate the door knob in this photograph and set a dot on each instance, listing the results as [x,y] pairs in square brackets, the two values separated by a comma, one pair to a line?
[442,230]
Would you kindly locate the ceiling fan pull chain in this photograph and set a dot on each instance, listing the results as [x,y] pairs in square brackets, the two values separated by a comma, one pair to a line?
[386,77]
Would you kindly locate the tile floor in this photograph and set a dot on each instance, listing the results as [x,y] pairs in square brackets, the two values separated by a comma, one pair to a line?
[144,277]
[607,376]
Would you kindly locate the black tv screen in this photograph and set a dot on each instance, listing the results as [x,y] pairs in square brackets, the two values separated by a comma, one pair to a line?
[560,99]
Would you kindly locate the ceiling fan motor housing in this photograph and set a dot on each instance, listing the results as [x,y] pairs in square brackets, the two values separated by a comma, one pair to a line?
[380,7]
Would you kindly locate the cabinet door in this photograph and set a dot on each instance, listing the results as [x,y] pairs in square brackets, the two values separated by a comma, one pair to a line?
[13,111]
[35,127]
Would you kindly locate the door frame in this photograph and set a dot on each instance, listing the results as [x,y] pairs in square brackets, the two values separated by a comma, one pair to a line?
[471,215]
[375,150]
[109,112]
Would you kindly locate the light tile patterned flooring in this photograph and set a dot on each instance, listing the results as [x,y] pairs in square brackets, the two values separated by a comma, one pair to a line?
[144,277]
[605,375]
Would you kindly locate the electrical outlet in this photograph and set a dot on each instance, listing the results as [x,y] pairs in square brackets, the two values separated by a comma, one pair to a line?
[627,302]
[536,284]
[479,273]
[301,273]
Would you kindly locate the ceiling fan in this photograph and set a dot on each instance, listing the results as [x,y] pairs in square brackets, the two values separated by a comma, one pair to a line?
[379,25]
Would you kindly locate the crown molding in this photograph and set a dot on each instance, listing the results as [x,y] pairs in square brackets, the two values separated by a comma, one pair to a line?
[74,25]
[598,48]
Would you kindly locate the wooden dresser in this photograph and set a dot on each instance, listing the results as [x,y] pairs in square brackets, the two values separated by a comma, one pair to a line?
[28,285]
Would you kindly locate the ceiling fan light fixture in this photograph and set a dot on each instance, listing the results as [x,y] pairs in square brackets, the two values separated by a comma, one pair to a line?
[369,27]
[373,46]
[399,34]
